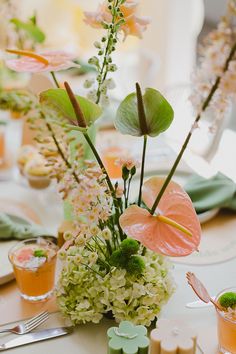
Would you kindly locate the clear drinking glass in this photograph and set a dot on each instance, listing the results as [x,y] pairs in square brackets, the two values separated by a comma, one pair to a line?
[226,325]
[34,264]
[2,142]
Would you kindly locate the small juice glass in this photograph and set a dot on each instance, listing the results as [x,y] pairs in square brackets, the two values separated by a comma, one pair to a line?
[34,264]
[226,325]
[110,155]
[2,143]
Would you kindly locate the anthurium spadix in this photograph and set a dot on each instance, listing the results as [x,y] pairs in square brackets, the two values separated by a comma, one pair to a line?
[173,230]
[59,103]
[148,114]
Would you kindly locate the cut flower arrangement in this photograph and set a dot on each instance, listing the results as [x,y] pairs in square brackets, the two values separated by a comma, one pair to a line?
[114,258]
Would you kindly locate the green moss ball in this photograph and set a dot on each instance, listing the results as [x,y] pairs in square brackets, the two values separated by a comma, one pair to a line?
[118,259]
[129,246]
[135,265]
[228,300]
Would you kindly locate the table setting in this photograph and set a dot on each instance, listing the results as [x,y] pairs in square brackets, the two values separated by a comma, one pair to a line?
[112,239]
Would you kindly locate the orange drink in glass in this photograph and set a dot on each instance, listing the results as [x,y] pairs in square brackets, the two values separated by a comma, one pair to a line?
[2,145]
[110,155]
[226,325]
[34,264]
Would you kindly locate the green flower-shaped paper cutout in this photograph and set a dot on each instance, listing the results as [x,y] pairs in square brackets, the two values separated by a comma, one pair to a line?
[128,339]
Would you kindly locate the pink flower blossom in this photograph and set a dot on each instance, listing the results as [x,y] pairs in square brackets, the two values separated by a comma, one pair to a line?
[133,25]
[174,230]
[34,62]
[119,192]
[129,163]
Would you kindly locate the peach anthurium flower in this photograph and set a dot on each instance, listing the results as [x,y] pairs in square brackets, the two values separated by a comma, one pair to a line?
[133,25]
[33,62]
[174,230]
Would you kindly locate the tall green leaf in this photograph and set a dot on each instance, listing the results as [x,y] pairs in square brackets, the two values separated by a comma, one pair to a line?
[159,114]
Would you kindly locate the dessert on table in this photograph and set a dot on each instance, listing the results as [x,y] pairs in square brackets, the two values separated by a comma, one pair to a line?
[37,173]
[26,153]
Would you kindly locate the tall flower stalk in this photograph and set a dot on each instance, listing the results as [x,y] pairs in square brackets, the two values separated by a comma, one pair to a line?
[205,105]
[106,47]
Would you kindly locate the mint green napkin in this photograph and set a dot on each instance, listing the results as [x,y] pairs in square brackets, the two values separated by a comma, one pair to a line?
[10,229]
[216,192]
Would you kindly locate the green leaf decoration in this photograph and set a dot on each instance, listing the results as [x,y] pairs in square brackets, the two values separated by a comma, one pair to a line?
[40,253]
[59,103]
[30,28]
[159,114]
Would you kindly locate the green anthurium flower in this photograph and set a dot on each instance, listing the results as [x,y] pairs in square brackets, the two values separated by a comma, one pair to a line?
[138,115]
[58,101]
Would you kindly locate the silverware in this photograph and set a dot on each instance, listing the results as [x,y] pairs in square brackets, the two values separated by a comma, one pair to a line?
[199,304]
[28,326]
[36,337]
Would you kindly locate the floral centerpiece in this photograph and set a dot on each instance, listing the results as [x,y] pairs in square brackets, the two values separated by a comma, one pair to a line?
[114,258]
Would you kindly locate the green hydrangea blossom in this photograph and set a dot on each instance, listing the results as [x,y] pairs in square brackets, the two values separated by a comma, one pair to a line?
[85,295]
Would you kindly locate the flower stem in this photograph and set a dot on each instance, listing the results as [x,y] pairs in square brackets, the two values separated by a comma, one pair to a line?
[55,79]
[90,268]
[67,163]
[204,106]
[94,150]
[142,169]
[50,129]
[128,190]
[109,183]
[103,72]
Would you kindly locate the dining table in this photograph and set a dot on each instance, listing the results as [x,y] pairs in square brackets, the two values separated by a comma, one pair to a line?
[214,264]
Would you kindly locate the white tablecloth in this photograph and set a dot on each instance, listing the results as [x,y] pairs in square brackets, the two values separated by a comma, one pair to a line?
[90,338]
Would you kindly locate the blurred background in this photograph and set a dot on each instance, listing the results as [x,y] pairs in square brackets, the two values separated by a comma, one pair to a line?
[170,40]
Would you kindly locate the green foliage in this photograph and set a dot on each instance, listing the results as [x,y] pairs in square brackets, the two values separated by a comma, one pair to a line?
[30,28]
[40,253]
[125,173]
[129,246]
[135,265]
[118,259]
[126,257]
[228,300]
[58,102]
[158,112]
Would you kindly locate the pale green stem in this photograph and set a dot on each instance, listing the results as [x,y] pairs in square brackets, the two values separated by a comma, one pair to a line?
[142,169]
[55,79]
[129,183]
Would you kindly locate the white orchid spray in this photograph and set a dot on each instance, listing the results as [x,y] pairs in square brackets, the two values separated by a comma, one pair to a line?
[214,82]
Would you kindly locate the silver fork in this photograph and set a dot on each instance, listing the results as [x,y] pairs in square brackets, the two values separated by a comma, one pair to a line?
[28,326]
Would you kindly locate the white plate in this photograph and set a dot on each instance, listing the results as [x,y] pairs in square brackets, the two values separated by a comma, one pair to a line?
[208,215]
[180,177]
[6,272]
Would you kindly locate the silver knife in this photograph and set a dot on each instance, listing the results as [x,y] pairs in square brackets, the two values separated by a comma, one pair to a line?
[36,337]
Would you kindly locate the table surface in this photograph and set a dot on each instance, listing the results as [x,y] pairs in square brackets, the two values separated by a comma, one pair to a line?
[91,338]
